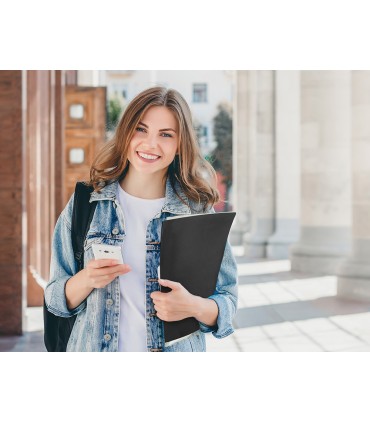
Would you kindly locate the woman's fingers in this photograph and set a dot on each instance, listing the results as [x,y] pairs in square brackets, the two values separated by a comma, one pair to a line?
[107,269]
[121,268]
[101,272]
[96,264]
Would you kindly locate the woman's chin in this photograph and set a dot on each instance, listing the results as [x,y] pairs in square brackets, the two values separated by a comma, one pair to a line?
[147,170]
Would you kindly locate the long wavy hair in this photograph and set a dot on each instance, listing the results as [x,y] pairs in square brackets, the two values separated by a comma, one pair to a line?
[196,176]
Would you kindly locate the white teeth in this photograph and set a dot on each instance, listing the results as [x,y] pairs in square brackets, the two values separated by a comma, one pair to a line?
[147,156]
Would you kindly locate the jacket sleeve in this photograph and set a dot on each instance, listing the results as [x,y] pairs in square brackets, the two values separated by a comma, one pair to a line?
[225,295]
[62,266]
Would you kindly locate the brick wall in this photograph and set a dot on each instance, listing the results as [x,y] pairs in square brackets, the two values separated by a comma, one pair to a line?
[31,177]
[11,202]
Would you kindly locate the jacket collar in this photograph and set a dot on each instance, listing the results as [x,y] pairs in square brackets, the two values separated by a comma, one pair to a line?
[171,205]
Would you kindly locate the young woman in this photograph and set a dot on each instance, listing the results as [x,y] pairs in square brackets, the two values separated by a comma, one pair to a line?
[150,170]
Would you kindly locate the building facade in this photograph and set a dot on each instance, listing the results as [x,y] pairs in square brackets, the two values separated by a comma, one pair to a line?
[31,151]
[301,171]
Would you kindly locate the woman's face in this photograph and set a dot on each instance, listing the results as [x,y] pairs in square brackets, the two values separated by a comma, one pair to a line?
[155,141]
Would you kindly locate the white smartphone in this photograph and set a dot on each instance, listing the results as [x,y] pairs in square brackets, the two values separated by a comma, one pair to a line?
[104,251]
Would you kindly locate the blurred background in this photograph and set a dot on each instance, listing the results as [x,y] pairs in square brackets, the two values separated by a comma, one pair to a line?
[292,155]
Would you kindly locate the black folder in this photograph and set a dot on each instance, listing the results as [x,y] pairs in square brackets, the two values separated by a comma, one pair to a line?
[192,249]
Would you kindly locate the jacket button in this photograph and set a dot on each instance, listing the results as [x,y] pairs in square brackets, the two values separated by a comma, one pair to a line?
[115,231]
[109,302]
[107,337]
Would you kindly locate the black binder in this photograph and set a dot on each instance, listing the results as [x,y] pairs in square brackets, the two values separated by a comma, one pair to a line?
[192,249]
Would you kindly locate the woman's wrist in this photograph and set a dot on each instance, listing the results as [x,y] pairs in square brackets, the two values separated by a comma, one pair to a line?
[196,307]
[205,310]
[77,289]
[84,280]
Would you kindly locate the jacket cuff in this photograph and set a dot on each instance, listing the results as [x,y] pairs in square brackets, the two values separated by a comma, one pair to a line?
[223,326]
[58,303]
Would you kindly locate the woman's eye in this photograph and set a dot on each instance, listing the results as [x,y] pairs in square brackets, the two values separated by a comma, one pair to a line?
[166,135]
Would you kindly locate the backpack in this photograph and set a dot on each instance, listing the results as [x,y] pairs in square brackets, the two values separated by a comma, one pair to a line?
[57,330]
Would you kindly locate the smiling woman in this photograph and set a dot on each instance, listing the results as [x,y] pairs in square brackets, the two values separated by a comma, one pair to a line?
[151,170]
[150,153]
[158,115]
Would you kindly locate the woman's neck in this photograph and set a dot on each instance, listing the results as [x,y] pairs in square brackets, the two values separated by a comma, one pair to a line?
[144,186]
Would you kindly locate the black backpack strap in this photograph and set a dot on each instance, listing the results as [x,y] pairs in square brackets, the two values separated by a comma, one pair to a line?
[82,214]
[57,330]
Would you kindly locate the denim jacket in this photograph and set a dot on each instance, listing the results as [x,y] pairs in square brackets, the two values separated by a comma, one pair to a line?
[97,323]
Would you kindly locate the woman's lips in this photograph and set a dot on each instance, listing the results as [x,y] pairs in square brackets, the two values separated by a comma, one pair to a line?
[147,160]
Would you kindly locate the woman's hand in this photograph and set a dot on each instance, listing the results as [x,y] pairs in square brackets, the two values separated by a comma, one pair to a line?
[175,305]
[99,273]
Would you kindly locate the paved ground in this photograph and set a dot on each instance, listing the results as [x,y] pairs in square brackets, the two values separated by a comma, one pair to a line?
[279,310]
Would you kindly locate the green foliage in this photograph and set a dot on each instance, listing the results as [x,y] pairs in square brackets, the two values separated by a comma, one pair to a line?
[223,135]
[114,110]
[209,158]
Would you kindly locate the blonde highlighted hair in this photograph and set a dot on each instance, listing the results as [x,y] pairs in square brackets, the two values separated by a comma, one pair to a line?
[197,177]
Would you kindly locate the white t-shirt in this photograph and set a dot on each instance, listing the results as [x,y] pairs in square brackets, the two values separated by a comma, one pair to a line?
[137,213]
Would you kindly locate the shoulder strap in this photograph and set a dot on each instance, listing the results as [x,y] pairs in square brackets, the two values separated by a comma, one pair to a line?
[82,214]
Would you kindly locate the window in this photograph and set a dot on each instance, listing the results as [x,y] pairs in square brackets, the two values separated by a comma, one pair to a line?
[76,111]
[76,155]
[202,134]
[205,135]
[199,93]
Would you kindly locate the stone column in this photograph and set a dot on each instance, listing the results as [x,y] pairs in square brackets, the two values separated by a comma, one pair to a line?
[262,167]
[354,273]
[326,175]
[241,128]
[287,160]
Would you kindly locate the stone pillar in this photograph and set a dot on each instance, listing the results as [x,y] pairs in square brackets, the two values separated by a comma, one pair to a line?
[326,175]
[241,127]
[287,162]
[262,167]
[354,273]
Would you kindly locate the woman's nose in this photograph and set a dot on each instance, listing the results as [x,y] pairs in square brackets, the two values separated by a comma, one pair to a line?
[152,141]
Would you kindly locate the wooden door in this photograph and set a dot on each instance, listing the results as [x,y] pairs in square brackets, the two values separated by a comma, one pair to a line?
[85,120]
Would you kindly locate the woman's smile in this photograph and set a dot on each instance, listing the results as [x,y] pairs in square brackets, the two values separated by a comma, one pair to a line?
[148,158]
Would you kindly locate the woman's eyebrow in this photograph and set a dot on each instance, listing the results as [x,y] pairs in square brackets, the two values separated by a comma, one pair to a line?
[166,129]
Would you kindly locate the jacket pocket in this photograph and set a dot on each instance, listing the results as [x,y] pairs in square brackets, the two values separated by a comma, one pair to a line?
[194,343]
[197,342]
[93,239]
